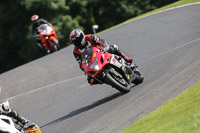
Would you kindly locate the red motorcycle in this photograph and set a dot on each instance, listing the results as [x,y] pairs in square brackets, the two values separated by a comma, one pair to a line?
[110,69]
[48,38]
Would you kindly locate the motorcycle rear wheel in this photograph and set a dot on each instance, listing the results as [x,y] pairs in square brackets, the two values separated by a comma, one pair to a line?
[123,87]
[138,77]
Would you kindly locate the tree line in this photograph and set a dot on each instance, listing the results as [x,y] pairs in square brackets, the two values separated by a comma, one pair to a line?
[17,43]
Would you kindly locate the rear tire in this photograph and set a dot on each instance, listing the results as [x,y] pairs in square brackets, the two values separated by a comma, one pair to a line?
[114,83]
[138,77]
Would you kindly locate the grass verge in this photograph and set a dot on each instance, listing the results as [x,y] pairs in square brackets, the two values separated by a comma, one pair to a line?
[178,115]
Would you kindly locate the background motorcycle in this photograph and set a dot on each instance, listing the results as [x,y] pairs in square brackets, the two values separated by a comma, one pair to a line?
[110,69]
[48,38]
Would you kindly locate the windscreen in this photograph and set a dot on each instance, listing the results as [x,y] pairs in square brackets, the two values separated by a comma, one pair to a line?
[87,55]
[42,27]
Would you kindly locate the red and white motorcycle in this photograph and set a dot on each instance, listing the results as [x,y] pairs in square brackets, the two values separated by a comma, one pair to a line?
[110,69]
[48,38]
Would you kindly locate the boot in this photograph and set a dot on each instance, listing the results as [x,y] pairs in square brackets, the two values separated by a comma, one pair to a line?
[126,58]
[114,49]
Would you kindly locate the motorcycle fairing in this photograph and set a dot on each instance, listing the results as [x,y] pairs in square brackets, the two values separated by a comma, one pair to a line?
[115,62]
[47,30]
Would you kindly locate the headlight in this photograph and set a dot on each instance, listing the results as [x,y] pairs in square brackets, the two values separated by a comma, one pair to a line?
[96,67]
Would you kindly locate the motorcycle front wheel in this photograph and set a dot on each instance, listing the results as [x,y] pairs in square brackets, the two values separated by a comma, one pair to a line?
[117,81]
[55,45]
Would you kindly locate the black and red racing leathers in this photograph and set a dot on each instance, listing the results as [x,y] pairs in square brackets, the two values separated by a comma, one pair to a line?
[93,41]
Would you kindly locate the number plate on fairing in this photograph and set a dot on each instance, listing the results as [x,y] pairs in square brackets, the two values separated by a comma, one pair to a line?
[115,62]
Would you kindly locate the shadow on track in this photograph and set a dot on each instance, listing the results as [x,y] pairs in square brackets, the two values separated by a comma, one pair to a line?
[86,108]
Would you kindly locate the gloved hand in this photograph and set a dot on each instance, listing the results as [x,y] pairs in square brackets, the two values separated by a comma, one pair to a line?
[115,46]
[38,37]
[105,49]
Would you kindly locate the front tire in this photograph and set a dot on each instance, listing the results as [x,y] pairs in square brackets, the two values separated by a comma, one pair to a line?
[111,80]
[55,45]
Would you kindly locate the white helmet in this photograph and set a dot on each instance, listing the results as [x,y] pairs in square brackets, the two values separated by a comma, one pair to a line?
[5,107]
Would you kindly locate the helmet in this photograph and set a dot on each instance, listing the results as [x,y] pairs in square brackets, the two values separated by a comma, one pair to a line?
[78,38]
[34,17]
[4,107]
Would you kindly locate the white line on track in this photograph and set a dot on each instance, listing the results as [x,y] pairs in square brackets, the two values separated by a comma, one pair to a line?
[60,82]
[188,43]
[44,87]
[63,81]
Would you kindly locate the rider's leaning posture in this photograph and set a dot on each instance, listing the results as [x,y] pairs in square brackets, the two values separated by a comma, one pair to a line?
[6,110]
[36,23]
[81,41]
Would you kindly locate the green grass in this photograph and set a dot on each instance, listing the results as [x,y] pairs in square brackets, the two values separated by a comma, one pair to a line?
[178,115]
[178,3]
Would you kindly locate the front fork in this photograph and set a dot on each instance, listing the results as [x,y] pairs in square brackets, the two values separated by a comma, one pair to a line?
[133,68]
[125,75]
[50,41]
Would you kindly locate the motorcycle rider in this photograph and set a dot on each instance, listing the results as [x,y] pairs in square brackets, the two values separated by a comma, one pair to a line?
[81,41]
[36,23]
[6,110]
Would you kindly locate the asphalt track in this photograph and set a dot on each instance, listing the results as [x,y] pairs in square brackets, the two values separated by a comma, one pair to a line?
[54,93]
